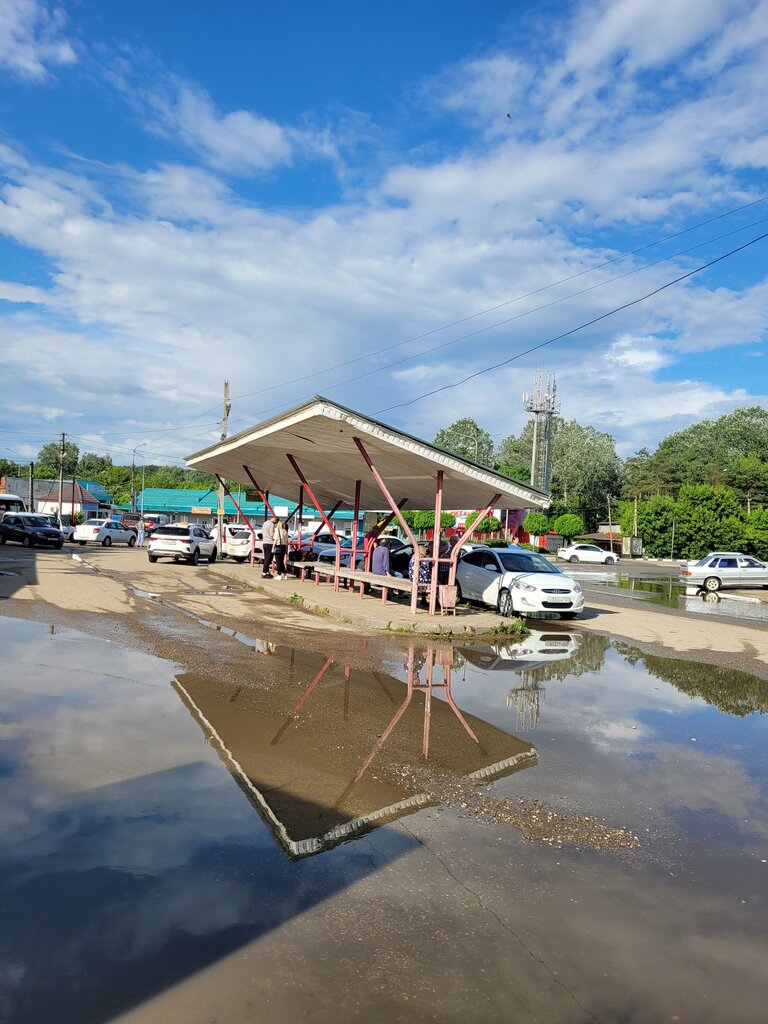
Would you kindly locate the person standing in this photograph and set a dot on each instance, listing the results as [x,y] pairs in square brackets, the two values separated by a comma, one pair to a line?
[140,534]
[281,549]
[268,533]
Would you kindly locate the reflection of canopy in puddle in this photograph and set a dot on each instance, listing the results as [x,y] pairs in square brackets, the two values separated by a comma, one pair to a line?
[314,757]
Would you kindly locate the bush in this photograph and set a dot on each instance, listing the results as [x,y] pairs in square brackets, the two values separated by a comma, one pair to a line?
[488,525]
[569,525]
[497,542]
[534,547]
[536,523]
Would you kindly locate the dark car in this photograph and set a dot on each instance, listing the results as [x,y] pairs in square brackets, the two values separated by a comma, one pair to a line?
[400,555]
[29,529]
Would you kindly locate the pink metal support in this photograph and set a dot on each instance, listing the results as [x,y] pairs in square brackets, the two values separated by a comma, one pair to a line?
[323,516]
[300,523]
[428,703]
[355,521]
[240,513]
[436,542]
[467,534]
[377,532]
[263,494]
[300,702]
[396,511]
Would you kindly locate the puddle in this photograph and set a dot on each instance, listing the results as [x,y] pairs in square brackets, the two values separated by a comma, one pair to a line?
[159,826]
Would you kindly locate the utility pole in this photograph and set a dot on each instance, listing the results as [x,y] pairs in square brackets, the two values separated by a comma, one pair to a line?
[62,452]
[634,519]
[31,487]
[610,524]
[133,477]
[224,432]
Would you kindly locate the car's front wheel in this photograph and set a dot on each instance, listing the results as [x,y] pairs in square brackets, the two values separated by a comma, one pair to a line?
[711,583]
[81,543]
[152,558]
[212,557]
[505,603]
[194,558]
[459,595]
[27,542]
[107,542]
[59,545]
[573,558]
[131,541]
[610,560]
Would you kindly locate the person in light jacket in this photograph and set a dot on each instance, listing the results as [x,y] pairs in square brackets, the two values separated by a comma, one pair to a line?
[281,549]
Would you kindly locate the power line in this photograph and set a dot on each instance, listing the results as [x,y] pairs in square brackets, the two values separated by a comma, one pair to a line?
[574,330]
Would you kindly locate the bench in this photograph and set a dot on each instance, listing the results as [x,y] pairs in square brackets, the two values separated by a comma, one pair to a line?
[361,580]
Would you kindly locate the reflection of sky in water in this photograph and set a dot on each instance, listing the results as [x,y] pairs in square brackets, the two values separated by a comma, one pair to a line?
[123,881]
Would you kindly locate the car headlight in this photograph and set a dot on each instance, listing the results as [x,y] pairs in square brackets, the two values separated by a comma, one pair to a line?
[577,588]
[521,585]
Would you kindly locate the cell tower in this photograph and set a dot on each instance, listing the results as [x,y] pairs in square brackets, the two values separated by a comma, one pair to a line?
[542,404]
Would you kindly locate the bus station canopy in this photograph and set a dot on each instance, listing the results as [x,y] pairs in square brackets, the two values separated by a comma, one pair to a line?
[324,439]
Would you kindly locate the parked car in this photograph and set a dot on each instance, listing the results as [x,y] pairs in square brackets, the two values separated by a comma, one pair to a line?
[399,554]
[29,529]
[67,529]
[237,542]
[725,569]
[587,553]
[182,543]
[517,581]
[104,532]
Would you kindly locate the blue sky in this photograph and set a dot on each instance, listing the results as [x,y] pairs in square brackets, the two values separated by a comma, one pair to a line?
[267,192]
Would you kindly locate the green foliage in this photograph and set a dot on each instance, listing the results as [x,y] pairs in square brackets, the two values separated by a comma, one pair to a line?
[512,627]
[655,519]
[490,524]
[8,468]
[515,472]
[47,461]
[497,542]
[533,547]
[568,525]
[536,523]
[91,465]
[424,519]
[467,439]
[704,520]
[756,533]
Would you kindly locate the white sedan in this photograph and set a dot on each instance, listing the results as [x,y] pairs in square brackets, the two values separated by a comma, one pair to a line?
[519,582]
[104,532]
[587,553]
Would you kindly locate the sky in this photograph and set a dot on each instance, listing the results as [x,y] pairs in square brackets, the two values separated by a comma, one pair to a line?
[373,202]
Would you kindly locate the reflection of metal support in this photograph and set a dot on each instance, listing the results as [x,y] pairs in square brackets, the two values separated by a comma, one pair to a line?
[300,702]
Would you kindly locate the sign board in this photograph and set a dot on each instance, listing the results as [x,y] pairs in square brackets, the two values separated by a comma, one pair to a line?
[201,511]
[281,511]
[219,511]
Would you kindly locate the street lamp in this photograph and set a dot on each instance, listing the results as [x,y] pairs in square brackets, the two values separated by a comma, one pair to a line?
[133,475]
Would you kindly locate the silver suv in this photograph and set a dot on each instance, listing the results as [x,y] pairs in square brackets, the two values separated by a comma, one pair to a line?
[182,543]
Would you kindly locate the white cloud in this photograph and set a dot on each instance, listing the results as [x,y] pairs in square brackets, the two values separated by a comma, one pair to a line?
[32,38]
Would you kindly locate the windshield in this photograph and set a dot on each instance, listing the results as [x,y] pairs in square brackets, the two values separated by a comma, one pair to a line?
[528,562]
[35,521]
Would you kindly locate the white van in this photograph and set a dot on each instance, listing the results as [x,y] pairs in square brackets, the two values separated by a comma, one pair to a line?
[11,503]
[237,542]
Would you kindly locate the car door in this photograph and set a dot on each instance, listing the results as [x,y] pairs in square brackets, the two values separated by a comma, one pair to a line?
[490,579]
[14,529]
[471,575]
[729,572]
[204,542]
[752,572]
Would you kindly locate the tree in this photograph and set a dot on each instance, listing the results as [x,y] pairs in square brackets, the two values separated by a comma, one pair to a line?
[520,473]
[568,525]
[48,459]
[466,438]
[91,465]
[749,476]
[490,524]
[705,518]
[536,523]
[585,467]
[655,525]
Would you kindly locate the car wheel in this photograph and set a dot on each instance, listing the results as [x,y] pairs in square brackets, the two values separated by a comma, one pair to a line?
[27,542]
[459,595]
[237,558]
[2,539]
[223,555]
[711,583]
[573,558]
[59,546]
[505,603]
[131,541]
[212,557]
[568,615]
[194,558]
[107,542]
[610,560]
[152,558]
[81,543]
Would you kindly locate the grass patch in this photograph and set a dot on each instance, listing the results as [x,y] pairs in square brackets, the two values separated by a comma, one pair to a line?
[295,599]
[515,628]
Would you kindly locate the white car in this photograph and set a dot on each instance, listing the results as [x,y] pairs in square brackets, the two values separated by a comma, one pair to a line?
[519,582]
[587,553]
[238,541]
[724,569]
[67,530]
[182,543]
[104,532]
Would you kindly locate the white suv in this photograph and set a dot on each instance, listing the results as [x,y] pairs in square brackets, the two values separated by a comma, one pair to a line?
[181,543]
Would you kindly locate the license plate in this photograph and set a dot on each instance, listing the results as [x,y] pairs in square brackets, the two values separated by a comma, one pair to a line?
[553,599]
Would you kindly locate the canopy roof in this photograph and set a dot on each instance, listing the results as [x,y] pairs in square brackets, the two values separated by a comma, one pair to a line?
[320,435]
